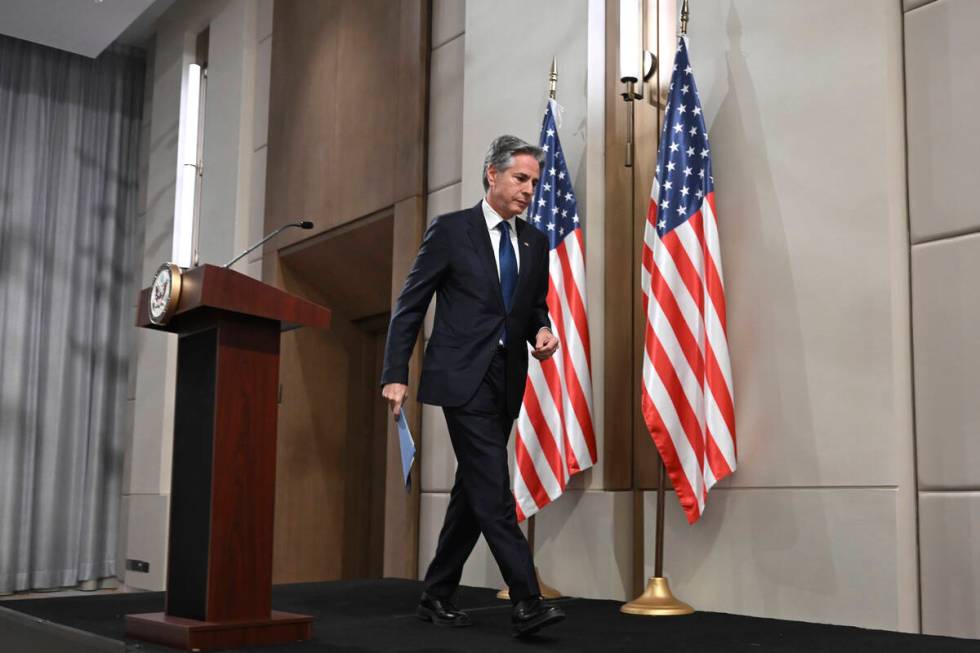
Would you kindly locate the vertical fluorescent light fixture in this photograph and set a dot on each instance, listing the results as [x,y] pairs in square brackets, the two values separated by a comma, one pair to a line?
[187,169]
[630,36]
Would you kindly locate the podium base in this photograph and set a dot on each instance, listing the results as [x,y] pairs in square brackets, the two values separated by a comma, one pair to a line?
[657,601]
[547,591]
[194,635]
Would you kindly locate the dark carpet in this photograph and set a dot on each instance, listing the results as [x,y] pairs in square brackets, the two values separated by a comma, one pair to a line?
[378,615]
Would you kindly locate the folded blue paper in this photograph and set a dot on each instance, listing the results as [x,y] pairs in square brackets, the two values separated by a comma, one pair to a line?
[407,446]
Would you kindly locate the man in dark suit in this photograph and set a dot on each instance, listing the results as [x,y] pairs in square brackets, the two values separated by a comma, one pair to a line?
[489,271]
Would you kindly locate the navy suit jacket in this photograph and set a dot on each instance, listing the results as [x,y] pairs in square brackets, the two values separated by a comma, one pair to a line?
[456,262]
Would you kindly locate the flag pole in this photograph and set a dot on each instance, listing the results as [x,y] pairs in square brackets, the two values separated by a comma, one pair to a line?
[547,591]
[657,600]
[553,79]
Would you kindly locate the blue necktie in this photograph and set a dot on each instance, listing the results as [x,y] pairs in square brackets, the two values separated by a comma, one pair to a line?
[508,270]
[508,265]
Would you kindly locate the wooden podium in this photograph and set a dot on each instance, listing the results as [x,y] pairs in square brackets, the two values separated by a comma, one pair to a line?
[219,573]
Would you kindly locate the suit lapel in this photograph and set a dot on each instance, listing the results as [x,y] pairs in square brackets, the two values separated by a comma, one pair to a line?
[480,237]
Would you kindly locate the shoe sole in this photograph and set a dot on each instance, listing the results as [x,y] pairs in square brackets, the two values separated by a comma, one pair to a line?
[550,620]
[425,614]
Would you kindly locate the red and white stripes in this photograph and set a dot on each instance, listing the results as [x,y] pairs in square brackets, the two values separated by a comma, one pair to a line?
[687,397]
[555,436]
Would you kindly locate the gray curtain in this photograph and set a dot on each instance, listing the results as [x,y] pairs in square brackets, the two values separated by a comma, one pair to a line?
[69,143]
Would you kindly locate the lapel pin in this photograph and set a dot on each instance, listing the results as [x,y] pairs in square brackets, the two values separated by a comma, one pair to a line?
[526,245]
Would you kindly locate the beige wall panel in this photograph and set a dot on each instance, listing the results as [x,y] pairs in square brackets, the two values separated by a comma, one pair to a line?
[480,570]
[448,20]
[133,269]
[132,334]
[227,118]
[254,269]
[946,341]
[908,5]
[127,467]
[584,544]
[949,523]
[256,208]
[260,95]
[121,534]
[146,539]
[158,243]
[816,265]
[162,164]
[148,454]
[444,200]
[445,114]
[148,82]
[144,167]
[821,555]
[160,189]
[167,60]
[943,91]
[264,23]
[438,459]
[506,89]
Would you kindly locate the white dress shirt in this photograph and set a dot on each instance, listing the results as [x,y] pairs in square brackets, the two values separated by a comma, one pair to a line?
[493,219]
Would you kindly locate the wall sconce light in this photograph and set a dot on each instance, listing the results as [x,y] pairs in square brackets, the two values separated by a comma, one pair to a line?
[636,65]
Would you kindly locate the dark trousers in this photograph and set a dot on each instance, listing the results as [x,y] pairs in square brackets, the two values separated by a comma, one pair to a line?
[481,500]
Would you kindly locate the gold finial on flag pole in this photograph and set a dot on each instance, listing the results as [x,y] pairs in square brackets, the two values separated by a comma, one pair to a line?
[685,14]
[553,79]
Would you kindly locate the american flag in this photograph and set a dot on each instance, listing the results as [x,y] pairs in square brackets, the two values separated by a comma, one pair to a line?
[687,398]
[555,438]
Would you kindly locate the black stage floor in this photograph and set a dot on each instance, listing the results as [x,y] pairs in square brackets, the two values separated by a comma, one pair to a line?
[378,615]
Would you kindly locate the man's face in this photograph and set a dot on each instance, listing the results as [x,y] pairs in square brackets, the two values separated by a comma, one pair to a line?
[511,189]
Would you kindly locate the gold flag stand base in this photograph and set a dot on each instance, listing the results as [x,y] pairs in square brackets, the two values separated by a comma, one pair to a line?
[657,601]
[547,591]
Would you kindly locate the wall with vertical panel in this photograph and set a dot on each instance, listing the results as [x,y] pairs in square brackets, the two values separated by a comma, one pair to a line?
[942,55]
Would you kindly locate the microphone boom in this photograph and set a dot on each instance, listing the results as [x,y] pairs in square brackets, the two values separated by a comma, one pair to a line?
[303,224]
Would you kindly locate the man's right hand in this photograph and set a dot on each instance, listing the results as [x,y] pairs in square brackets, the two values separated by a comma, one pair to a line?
[395,394]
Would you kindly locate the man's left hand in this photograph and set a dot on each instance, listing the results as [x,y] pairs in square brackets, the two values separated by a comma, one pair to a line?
[546,344]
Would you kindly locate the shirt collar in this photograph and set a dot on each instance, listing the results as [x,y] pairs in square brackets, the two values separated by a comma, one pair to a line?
[493,218]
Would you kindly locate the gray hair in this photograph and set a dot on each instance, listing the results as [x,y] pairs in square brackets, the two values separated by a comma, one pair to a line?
[501,155]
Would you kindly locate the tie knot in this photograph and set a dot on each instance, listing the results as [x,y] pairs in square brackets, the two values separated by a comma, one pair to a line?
[504,227]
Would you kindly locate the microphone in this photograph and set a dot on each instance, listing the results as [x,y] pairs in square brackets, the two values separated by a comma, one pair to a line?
[302,224]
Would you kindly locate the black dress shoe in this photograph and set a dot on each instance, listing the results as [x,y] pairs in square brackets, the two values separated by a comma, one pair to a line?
[531,615]
[441,612]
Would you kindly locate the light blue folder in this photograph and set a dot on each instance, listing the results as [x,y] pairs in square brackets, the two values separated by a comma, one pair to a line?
[407,446]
